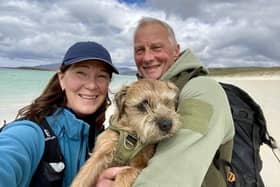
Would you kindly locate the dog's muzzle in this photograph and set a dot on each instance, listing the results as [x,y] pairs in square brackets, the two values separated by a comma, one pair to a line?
[165,124]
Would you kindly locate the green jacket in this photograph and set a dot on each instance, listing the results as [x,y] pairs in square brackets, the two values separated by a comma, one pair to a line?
[184,160]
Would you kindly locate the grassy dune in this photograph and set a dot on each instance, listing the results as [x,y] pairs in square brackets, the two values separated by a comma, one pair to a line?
[245,71]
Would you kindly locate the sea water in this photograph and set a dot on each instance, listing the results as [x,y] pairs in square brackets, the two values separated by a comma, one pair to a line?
[19,87]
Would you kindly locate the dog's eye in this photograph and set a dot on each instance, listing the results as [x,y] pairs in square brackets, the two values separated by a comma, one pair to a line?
[142,107]
[169,102]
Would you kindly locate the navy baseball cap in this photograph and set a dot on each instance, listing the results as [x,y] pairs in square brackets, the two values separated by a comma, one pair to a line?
[82,51]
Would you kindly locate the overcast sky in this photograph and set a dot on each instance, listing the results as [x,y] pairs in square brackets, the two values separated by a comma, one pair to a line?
[221,33]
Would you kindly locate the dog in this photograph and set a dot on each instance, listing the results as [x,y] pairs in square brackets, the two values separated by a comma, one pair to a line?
[145,114]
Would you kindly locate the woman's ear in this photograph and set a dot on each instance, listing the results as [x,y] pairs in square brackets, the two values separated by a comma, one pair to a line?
[60,79]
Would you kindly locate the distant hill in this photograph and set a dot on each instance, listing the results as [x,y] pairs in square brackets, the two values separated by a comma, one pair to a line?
[123,69]
[227,71]
[49,66]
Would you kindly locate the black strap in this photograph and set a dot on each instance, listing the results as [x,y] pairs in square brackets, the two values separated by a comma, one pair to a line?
[52,150]
[50,170]
[226,169]
[4,124]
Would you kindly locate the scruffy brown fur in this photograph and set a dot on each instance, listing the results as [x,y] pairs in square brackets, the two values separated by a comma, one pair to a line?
[145,107]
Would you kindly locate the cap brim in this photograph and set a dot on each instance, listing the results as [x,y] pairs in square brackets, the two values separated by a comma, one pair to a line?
[76,60]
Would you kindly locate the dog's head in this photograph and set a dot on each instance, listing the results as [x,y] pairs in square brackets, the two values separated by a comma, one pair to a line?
[148,107]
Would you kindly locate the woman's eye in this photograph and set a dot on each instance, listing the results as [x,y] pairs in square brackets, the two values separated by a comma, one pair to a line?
[104,76]
[81,73]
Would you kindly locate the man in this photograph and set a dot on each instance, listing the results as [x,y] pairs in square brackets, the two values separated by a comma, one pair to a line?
[183,160]
[207,122]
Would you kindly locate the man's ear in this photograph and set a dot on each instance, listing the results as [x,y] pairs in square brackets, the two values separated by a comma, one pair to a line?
[176,52]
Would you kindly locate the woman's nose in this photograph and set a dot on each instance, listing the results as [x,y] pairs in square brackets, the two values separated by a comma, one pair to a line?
[91,84]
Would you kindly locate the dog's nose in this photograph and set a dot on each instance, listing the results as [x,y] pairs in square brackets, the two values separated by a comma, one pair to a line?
[165,124]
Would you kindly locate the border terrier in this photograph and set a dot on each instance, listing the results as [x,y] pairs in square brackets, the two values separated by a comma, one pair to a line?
[145,114]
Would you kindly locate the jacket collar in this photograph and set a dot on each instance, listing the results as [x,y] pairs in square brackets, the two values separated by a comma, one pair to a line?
[186,62]
[63,121]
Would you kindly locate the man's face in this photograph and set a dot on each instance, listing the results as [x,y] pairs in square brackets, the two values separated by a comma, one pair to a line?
[154,52]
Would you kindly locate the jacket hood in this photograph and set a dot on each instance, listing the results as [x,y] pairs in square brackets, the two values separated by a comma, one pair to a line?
[187,61]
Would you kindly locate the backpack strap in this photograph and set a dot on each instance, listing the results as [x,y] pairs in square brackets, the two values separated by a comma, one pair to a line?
[222,162]
[2,126]
[50,170]
[4,123]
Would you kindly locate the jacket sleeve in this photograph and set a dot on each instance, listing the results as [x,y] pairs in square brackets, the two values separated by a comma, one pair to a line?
[184,159]
[21,148]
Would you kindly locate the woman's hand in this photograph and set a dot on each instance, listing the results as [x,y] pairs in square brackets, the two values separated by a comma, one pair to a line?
[108,176]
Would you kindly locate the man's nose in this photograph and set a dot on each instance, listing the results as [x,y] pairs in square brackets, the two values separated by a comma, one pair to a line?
[148,56]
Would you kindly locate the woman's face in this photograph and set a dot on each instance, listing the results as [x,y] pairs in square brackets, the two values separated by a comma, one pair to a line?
[86,86]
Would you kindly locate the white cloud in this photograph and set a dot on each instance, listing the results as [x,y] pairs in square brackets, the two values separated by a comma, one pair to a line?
[221,33]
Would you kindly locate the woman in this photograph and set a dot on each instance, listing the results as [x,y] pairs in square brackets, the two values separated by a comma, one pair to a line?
[73,104]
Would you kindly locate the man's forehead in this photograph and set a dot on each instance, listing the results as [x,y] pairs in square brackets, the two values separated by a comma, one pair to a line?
[151,30]
[147,43]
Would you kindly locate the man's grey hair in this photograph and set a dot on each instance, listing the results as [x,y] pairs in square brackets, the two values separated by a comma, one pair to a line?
[148,20]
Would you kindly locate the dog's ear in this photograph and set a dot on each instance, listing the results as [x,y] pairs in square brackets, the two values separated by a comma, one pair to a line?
[177,91]
[120,100]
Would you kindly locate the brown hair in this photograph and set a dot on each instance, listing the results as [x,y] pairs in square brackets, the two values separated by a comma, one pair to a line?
[53,97]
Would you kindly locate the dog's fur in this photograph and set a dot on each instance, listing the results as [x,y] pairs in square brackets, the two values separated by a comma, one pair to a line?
[145,107]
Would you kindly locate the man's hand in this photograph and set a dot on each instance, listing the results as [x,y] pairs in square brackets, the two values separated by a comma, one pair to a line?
[108,176]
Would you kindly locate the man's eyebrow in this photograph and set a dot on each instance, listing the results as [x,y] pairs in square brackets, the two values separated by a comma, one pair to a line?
[156,43]
[138,45]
